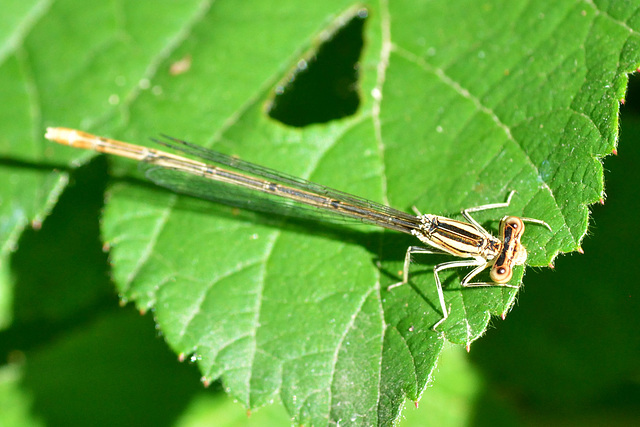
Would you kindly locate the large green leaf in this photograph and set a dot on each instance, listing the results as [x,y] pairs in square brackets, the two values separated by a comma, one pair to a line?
[461,102]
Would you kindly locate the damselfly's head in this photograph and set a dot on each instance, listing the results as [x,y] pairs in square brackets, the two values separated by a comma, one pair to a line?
[513,252]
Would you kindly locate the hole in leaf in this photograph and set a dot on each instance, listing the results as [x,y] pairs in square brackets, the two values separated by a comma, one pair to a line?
[324,86]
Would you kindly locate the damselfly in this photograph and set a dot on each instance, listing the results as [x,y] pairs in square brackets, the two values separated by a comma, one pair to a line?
[442,235]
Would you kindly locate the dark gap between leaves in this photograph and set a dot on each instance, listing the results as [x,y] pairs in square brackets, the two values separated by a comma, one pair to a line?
[60,271]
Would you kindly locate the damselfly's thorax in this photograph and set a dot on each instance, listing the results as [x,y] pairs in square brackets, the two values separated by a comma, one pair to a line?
[457,237]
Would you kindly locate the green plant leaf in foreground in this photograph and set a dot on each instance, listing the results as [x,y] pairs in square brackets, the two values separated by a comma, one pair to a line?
[460,103]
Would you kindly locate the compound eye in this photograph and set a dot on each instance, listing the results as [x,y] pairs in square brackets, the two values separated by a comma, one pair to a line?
[501,273]
[515,223]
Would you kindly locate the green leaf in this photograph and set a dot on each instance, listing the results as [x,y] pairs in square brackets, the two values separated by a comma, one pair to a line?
[461,102]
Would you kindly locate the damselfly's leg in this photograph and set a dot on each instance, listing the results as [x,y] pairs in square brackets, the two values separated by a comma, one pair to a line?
[485,284]
[405,274]
[479,263]
[407,262]
[466,282]
[466,212]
